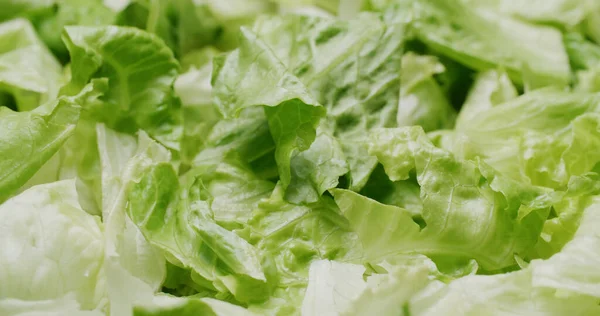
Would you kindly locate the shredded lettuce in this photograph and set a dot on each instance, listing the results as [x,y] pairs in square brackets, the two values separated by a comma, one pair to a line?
[314,157]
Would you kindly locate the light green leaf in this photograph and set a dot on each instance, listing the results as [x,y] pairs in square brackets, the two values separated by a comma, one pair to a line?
[351,67]
[572,269]
[503,294]
[464,33]
[292,113]
[29,139]
[332,287]
[291,236]
[565,13]
[422,101]
[504,217]
[28,71]
[181,224]
[140,71]
[58,307]
[388,293]
[337,288]
[383,230]
[165,305]
[44,226]
[248,136]
[71,12]
[24,8]
[490,88]
[317,169]
[199,114]
[235,190]
[549,146]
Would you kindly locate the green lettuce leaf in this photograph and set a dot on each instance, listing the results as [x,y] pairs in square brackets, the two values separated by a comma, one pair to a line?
[289,237]
[28,71]
[526,140]
[332,287]
[564,13]
[359,91]
[134,269]
[62,306]
[285,98]
[571,269]
[505,218]
[44,226]
[25,8]
[503,294]
[337,288]
[140,71]
[182,224]
[164,305]
[490,88]
[422,101]
[235,190]
[462,32]
[199,115]
[29,139]
[71,12]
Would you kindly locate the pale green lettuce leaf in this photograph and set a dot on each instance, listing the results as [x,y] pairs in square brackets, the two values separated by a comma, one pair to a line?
[504,217]
[51,248]
[134,268]
[291,111]
[585,57]
[337,288]
[588,80]
[564,13]
[583,53]
[233,14]
[248,136]
[303,8]
[235,189]
[483,38]
[71,12]
[290,236]
[422,101]
[181,223]
[383,230]
[351,67]
[405,194]
[543,137]
[199,114]
[573,268]
[58,307]
[332,286]
[140,70]
[29,139]
[502,294]
[490,88]
[318,168]
[28,71]
[165,305]
[388,292]
[184,25]
[591,25]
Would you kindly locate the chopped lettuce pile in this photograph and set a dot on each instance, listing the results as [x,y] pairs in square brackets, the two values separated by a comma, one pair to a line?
[314,158]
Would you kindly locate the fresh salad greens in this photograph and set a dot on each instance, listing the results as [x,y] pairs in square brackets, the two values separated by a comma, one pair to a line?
[299,157]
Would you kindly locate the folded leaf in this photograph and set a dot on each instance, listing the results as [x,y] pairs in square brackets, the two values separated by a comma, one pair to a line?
[464,33]
[422,101]
[503,219]
[28,71]
[29,139]
[140,71]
